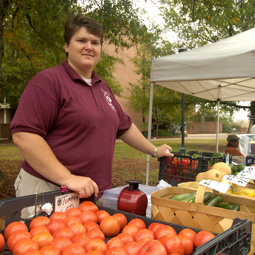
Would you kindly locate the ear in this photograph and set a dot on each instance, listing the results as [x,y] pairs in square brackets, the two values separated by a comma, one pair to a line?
[66,47]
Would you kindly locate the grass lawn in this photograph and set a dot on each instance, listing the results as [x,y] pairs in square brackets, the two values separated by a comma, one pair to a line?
[128,163]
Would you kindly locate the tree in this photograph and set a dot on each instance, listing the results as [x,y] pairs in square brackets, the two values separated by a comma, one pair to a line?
[33,38]
[198,23]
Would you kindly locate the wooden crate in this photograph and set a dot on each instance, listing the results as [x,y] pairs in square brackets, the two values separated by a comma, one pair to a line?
[197,215]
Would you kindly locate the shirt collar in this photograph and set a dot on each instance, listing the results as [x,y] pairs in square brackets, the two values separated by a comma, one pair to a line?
[75,76]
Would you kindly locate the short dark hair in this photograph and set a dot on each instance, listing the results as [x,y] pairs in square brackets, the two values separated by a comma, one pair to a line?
[74,23]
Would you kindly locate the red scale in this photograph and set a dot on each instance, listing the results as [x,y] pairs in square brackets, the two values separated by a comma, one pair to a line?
[132,200]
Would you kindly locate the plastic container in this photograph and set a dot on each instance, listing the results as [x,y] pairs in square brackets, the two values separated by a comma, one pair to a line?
[185,167]
[110,196]
[235,240]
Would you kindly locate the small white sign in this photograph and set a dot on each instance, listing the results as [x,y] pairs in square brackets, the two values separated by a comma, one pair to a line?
[219,186]
[66,201]
[248,172]
[236,180]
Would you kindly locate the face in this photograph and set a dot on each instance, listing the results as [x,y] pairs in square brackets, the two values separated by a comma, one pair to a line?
[235,143]
[83,52]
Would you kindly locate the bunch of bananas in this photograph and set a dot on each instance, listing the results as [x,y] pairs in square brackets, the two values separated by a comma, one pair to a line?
[244,192]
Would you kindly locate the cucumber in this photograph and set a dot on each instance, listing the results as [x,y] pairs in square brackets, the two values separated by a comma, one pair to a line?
[214,201]
[226,206]
[236,208]
[180,196]
[190,198]
[207,196]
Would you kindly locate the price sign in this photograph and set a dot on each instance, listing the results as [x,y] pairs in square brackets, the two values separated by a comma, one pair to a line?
[219,186]
[66,201]
[236,180]
[248,172]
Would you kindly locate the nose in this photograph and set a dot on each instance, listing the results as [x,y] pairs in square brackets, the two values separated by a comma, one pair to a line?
[88,45]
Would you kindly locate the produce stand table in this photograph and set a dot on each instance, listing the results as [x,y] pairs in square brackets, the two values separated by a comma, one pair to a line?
[235,240]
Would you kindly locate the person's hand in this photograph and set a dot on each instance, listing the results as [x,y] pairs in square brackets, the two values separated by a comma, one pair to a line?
[164,150]
[84,186]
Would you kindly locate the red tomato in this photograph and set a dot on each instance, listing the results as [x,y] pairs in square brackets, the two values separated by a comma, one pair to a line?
[80,239]
[173,244]
[186,162]
[187,243]
[54,225]
[25,245]
[174,160]
[101,214]
[116,251]
[14,226]
[73,212]
[39,221]
[73,248]
[164,230]
[202,237]
[88,216]
[37,230]
[2,242]
[188,232]
[34,252]
[43,239]
[125,238]
[114,242]
[58,216]
[61,242]
[50,250]
[96,244]
[142,234]
[66,232]
[17,236]
[130,229]
[72,219]
[122,219]
[154,226]
[138,222]
[95,233]
[110,226]
[88,206]
[152,247]
[132,247]
[90,225]
[94,252]
[77,228]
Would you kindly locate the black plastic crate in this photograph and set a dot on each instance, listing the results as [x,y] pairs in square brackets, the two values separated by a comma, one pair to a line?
[236,240]
[184,167]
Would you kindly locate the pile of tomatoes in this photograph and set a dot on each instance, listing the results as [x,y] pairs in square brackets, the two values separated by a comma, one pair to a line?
[88,230]
[180,169]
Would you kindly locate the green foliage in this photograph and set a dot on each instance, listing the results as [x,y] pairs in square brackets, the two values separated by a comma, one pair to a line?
[33,38]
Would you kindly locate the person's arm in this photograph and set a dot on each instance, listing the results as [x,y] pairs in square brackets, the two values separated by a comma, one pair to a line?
[135,139]
[41,158]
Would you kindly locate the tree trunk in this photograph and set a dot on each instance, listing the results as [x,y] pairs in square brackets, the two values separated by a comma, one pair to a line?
[202,121]
[3,4]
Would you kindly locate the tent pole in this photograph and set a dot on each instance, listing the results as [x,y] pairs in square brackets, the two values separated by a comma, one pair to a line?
[149,132]
[218,125]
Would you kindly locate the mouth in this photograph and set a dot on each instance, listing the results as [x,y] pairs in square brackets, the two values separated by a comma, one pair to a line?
[88,55]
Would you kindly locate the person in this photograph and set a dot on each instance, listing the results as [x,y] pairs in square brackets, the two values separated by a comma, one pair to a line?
[252,129]
[68,119]
[233,143]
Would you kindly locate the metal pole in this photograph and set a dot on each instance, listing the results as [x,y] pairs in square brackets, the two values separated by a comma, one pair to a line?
[183,124]
[149,132]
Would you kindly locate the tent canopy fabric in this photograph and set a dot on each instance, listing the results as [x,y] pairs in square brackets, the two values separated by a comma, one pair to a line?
[222,71]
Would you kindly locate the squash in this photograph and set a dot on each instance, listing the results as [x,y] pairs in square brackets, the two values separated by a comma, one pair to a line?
[212,174]
[223,168]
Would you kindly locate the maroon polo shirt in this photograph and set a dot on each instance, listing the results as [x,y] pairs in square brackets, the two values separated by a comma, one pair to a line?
[79,122]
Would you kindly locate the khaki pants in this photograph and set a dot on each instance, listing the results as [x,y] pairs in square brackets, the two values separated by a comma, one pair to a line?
[27,184]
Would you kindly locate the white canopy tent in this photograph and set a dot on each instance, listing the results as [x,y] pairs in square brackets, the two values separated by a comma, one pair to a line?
[222,71]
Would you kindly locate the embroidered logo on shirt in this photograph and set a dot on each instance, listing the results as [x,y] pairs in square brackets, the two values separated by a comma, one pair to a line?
[108,99]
